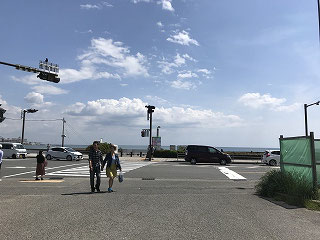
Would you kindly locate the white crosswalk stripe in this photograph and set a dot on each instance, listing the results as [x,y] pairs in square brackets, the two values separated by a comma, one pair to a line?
[83,171]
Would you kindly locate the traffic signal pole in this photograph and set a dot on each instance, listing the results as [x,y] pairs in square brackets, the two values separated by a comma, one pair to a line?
[23,122]
[44,75]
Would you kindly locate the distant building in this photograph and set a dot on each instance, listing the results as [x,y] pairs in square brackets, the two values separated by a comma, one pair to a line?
[18,140]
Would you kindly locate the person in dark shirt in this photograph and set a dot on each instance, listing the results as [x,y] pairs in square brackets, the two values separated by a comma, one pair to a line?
[40,166]
[95,161]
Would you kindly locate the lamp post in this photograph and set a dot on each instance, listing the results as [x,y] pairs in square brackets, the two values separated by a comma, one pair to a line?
[306,115]
[149,117]
[158,131]
[24,111]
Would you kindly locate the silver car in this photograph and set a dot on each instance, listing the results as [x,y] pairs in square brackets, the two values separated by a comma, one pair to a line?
[63,153]
[271,157]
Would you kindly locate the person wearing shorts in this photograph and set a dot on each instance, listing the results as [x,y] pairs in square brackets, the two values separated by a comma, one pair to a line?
[113,164]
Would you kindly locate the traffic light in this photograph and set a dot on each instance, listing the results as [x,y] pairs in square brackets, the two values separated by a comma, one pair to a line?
[142,133]
[51,77]
[2,111]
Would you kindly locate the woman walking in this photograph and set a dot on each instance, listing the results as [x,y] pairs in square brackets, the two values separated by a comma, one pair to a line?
[40,171]
[113,163]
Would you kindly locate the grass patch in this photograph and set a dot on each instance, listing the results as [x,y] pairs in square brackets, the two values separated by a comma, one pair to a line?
[292,188]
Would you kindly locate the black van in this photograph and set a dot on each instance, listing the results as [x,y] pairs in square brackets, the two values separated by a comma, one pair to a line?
[205,154]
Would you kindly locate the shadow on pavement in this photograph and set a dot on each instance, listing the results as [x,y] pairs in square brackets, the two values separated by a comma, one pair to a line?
[82,193]
[280,203]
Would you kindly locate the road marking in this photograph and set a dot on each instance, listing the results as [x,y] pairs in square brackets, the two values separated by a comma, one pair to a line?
[83,171]
[18,174]
[42,181]
[16,167]
[231,174]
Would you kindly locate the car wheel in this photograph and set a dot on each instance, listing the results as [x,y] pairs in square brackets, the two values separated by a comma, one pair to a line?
[69,158]
[193,161]
[223,162]
[273,162]
[48,157]
[14,156]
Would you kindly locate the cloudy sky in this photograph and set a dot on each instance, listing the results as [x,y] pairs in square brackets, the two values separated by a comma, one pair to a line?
[222,73]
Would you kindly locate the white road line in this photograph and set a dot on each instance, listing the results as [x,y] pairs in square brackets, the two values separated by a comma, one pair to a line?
[18,174]
[83,171]
[231,174]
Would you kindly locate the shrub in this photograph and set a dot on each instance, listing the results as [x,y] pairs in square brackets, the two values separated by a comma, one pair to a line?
[292,184]
[104,147]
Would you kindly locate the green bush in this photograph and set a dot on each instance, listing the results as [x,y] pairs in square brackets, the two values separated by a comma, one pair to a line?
[165,154]
[104,147]
[291,184]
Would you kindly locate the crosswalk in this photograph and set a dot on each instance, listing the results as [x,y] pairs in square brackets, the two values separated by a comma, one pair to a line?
[83,170]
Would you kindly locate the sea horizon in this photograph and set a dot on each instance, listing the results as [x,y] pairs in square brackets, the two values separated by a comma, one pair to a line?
[165,147]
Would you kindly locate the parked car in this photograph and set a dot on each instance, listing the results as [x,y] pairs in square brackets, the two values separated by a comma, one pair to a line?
[271,157]
[63,153]
[205,154]
[13,150]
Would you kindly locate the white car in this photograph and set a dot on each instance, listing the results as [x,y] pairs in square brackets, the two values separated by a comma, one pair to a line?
[63,153]
[13,150]
[271,157]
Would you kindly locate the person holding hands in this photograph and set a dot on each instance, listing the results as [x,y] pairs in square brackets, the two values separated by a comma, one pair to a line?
[113,163]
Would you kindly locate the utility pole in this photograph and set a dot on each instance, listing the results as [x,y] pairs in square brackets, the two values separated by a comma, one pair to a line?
[149,117]
[63,135]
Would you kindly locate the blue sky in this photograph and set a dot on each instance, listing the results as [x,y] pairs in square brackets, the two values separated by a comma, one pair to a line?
[221,73]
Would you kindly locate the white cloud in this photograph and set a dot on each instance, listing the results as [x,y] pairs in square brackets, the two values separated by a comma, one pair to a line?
[186,85]
[49,89]
[166,5]
[138,1]
[187,74]
[256,101]
[132,112]
[160,24]
[186,56]
[182,38]
[30,79]
[123,84]
[94,6]
[289,108]
[104,53]
[204,70]
[36,100]
[89,6]
[167,67]
[155,100]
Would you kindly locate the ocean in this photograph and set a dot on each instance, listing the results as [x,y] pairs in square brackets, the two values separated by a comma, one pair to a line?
[145,147]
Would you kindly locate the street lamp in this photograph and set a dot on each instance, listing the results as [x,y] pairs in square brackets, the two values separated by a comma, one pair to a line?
[24,111]
[305,115]
[158,131]
[149,117]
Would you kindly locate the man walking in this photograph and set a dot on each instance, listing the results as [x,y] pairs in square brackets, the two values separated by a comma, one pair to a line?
[1,155]
[95,161]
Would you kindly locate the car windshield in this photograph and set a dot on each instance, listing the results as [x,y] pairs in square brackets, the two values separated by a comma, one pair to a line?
[70,150]
[19,146]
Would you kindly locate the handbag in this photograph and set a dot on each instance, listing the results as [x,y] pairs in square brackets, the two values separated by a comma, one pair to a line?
[120,177]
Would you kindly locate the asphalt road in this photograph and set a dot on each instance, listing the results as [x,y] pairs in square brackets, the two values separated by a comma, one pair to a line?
[157,200]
